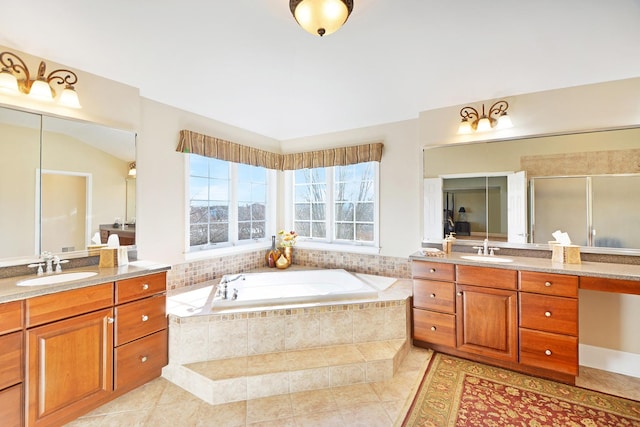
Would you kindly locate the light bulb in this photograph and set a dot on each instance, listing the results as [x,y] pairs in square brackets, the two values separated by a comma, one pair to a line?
[41,90]
[8,83]
[484,124]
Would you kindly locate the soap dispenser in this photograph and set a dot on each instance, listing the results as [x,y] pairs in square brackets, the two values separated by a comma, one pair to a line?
[447,243]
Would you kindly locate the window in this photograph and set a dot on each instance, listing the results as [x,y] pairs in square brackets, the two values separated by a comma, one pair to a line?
[337,204]
[228,202]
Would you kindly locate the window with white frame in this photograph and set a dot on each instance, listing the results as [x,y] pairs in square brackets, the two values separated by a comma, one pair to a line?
[337,204]
[228,202]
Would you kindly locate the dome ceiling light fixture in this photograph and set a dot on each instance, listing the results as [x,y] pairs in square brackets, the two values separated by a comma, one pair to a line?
[321,17]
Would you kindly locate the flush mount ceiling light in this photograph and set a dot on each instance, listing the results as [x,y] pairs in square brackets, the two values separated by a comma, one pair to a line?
[321,17]
[496,118]
[16,79]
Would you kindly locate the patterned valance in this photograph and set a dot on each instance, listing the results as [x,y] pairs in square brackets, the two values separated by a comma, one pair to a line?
[196,143]
[209,146]
[340,156]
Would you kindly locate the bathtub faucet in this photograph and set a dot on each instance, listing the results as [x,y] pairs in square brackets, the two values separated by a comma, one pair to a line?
[227,280]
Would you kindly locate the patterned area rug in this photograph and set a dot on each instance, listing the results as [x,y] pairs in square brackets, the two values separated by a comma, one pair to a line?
[458,392]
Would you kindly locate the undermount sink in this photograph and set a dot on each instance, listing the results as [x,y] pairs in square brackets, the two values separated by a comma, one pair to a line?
[57,278]
[486,258]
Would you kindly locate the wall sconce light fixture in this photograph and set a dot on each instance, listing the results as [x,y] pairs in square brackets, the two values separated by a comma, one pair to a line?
[132,169]
[473,121]
[321,17]
[15,79]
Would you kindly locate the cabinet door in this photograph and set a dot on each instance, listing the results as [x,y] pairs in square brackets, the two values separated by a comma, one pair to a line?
[70,367]
[487,322]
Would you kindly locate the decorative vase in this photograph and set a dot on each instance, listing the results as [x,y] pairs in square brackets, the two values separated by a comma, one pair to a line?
[288,253]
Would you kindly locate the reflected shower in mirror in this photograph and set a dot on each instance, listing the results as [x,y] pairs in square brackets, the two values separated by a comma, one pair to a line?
[584,183]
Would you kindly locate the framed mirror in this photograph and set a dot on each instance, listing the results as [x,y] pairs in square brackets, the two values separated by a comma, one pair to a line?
[583,183]
[61,181]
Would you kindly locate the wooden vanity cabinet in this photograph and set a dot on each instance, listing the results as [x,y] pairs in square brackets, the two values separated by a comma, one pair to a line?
[141,344]
[11,364]
[548,325]
[521,320]
[69,349]
[486,310]
[434,303]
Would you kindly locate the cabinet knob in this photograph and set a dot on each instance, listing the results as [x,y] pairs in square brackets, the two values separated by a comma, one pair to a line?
[145,317]
[145,286]
[433,270]
[547,314]
[433,328]
[547,284]
[432,295]
[459,294]
[144,358]
[547,352]
[110,320]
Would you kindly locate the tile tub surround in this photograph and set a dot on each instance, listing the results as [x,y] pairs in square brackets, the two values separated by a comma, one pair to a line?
[204,270]
[217,357]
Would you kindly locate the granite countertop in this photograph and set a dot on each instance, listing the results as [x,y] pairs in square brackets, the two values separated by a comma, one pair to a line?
[590,269]
[10,291]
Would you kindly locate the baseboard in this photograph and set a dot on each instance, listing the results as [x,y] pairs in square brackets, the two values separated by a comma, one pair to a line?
[610,360]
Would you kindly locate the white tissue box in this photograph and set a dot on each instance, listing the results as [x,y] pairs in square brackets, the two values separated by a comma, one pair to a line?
[565,254]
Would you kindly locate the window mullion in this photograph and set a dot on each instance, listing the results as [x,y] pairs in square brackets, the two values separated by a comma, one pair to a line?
[330,204]
[233,203]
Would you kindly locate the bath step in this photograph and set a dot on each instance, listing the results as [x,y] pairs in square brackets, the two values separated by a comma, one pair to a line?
[244,378]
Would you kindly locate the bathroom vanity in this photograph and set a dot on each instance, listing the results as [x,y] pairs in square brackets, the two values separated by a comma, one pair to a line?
[68,348]
[521,315]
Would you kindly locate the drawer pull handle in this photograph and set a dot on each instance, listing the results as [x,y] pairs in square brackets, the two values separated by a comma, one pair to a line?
[547,352]
[433,328]
[432,295]
[145,317]
[547,284]
[110,320]
[144,358]
[433,270]
[547,314]
[145,286]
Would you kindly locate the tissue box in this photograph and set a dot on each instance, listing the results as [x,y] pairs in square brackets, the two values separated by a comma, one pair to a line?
[94,250]
[108,257]
[565,254]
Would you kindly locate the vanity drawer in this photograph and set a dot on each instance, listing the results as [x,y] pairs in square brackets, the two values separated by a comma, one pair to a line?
[140,318]
[10,359]
[10,317]
[549,284]
[548,313]
[433,270]
[11,406]
[487,276]
[549,351]
[434,328]
[140,287]
[140,360]
[61,305]
[431,295]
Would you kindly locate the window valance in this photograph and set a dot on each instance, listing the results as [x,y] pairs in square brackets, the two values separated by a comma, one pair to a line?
[209,146]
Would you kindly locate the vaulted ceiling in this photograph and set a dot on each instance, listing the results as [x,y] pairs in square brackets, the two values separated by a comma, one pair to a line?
[247,62]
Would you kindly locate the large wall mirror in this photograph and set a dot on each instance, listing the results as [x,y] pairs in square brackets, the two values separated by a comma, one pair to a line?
[62,183]
[520,191]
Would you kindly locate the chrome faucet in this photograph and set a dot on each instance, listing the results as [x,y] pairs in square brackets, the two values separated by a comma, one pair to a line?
[222,288]
[47,257]
[485,249]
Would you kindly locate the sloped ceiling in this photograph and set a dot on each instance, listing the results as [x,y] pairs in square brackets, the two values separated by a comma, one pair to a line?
[247,62]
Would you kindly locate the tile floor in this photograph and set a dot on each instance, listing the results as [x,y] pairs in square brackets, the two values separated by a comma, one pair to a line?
[161,403]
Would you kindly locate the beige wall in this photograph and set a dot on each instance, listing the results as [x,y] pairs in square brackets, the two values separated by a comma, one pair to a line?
[161,173]
[160,224]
